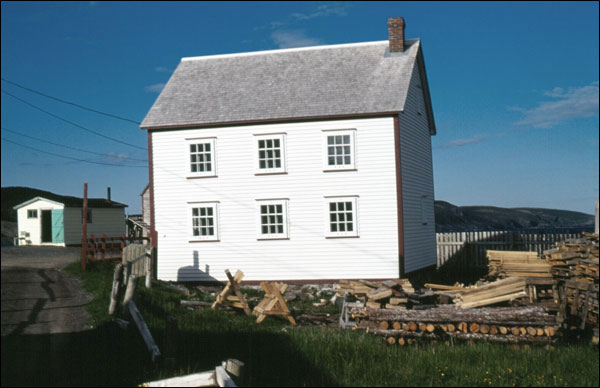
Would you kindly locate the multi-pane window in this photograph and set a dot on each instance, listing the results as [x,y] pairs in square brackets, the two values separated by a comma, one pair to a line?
[32,213]
[272,219]
[271,153]
[339,150]
[201,157]
[342,220]
[204,221]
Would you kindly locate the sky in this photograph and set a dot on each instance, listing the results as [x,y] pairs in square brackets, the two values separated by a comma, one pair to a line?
[514,88]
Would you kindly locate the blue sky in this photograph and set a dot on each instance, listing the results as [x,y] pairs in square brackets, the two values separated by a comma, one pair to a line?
[514,87]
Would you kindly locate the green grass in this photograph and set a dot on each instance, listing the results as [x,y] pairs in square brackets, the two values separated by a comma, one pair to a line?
[276,354]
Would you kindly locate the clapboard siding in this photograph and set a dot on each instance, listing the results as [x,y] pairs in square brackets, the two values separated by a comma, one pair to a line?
[307,254]
[417,180]
[33,226]
[108,221]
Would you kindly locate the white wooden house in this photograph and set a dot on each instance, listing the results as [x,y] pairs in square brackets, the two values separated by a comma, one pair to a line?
[59,220]
[298,164]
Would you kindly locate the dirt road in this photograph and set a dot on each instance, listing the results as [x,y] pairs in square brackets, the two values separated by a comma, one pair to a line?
[38,297]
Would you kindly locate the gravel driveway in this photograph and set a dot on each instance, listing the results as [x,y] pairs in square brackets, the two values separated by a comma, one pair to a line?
[38,296]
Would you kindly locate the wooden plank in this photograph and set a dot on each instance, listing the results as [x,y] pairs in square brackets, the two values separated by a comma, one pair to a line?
[144,331]
[203,379]
[223,379]
[494,300]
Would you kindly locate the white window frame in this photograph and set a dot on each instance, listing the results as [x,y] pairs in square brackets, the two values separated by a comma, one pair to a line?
[355,212]
[215,210]
[282,146]
[339,167]
[272,236]
[34,212]
[213,157]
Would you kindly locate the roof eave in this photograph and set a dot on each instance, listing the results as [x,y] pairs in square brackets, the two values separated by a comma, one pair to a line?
[270,121]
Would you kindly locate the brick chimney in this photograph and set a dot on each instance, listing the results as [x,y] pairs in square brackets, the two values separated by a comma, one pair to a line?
[396,34]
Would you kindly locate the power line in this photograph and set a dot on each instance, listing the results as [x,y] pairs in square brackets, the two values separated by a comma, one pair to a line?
[69,102]
[70,122]
[67,157]
[73,148]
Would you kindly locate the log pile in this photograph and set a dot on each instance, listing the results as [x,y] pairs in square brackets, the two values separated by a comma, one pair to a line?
[532,324]
[390,294]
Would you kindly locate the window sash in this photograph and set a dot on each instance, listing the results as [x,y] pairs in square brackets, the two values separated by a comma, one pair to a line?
[270,153]
[272,219]
[203,224]
[339,150]
[342,219]
[32,213]
[201,159]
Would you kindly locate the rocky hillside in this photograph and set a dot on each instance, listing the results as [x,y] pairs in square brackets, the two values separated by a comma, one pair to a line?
[451,218]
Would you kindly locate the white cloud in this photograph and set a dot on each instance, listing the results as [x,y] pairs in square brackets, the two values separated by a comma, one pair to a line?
[465,141]
[290,39]
[323,10]
[574,103]
[155,88]
[161,69]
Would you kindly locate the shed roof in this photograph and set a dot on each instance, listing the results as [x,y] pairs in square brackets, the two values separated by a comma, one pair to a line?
[74,202]
[309,82]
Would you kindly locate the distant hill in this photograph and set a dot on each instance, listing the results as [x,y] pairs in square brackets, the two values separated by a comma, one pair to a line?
[12,196]
[451,218]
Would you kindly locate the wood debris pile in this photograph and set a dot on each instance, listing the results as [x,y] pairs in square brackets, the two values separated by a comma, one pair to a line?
[390,294]
[499,291]
[531,324]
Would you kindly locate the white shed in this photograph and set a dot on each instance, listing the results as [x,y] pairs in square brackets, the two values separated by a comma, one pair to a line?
[58,221]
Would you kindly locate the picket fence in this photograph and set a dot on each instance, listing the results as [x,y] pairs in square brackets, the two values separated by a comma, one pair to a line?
[470,247]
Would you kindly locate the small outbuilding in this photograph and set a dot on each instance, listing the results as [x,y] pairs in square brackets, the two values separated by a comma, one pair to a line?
[59,220]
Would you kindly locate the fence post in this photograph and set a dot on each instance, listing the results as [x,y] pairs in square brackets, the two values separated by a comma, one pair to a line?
[103,247]
[122,245]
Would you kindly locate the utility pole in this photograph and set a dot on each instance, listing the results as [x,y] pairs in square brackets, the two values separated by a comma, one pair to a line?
[84,234]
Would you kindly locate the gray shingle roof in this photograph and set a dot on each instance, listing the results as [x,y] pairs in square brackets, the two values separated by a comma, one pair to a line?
[285,84]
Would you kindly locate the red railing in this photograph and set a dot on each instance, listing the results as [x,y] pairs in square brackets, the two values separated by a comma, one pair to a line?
[109,248]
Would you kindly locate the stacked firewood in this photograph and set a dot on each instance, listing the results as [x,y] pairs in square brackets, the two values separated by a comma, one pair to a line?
[565,258]
[390,294]
[531,324]
[575,267]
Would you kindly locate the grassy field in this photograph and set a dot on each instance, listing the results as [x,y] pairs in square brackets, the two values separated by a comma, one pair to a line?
[277,354]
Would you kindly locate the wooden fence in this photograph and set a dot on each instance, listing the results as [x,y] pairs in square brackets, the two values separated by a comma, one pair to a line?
[469,248]
[109,248]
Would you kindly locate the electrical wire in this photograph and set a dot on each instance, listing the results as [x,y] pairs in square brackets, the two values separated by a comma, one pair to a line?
[73,148]
[67,157]
[70,122]
[68,102]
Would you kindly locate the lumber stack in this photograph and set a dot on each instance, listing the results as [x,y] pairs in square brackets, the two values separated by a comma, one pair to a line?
[513,263]
[391,294]
[499,291]
[531,324]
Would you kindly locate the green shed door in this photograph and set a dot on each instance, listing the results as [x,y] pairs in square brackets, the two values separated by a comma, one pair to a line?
[58,226]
